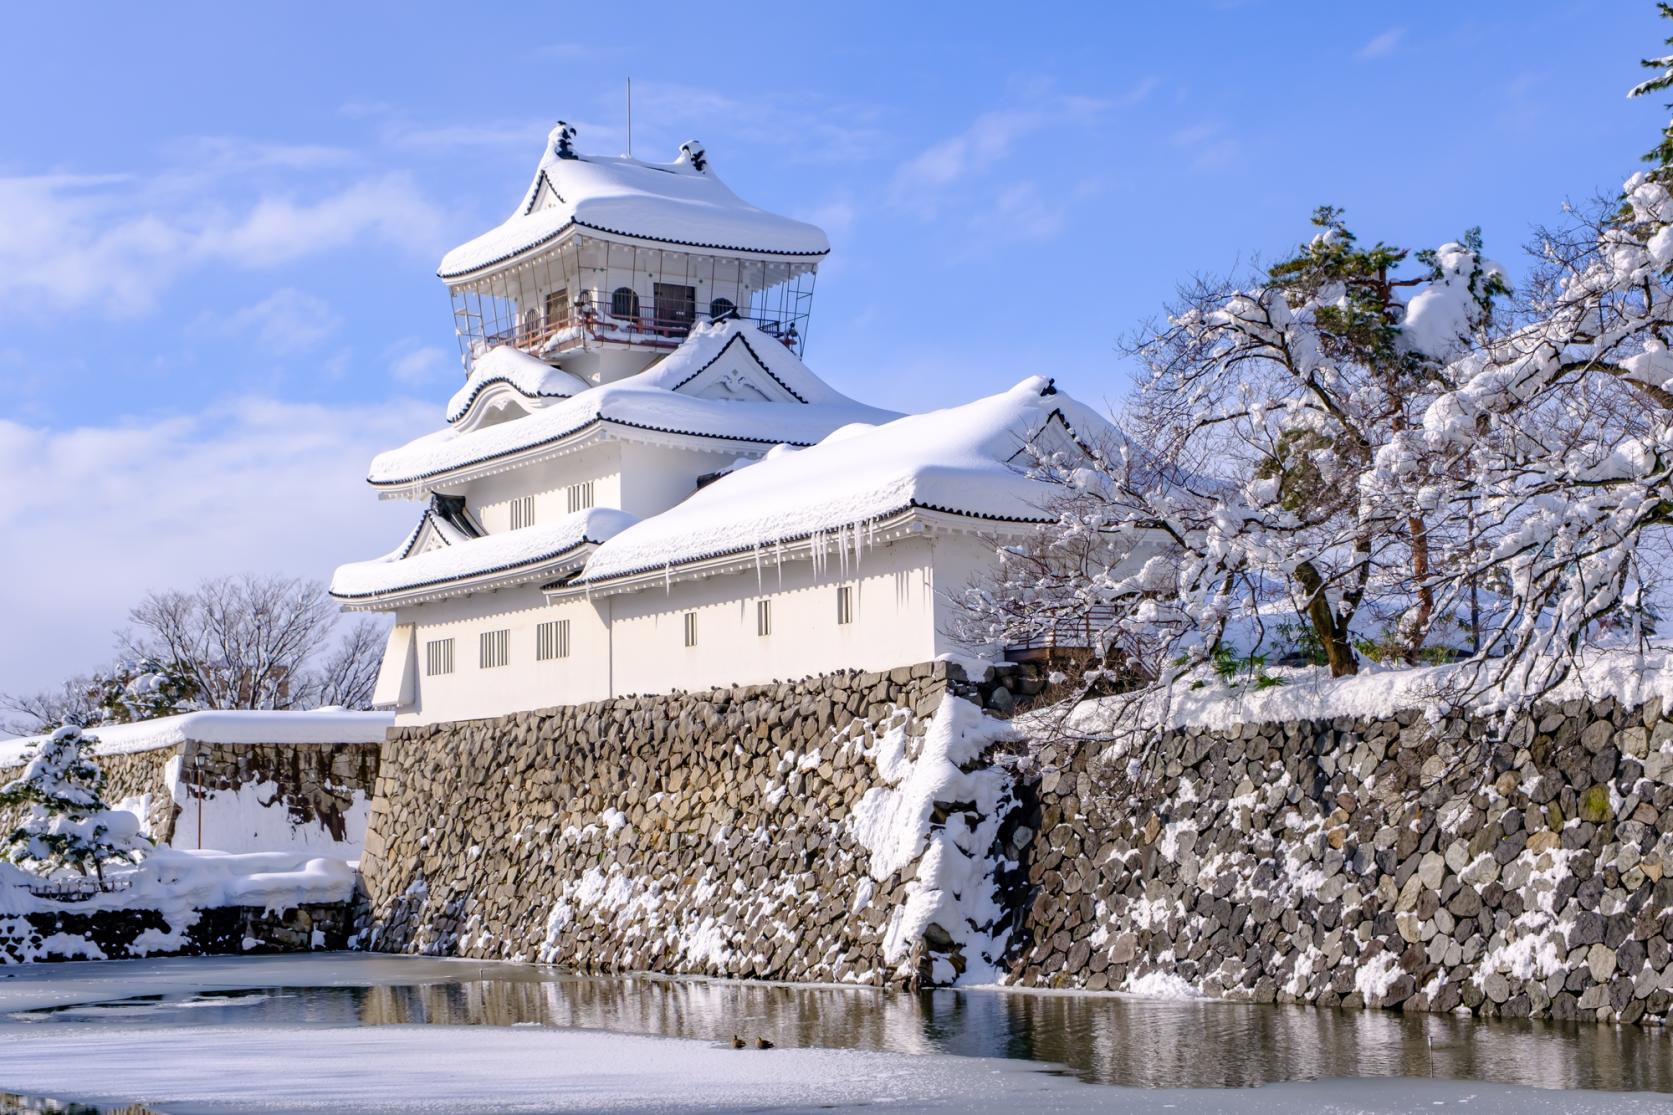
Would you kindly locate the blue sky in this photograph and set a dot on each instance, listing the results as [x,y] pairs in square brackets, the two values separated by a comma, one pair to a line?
[219,223]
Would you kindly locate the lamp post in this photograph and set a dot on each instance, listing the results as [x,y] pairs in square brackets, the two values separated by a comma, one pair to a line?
[200,761]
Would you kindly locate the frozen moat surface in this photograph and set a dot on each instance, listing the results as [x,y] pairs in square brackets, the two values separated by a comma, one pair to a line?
[356,1032]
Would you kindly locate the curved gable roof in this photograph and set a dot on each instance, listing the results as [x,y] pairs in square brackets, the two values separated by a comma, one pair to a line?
[680,203]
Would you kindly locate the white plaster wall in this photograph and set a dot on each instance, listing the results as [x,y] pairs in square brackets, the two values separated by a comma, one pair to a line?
[655,478]
[523,683]
[635,642]
[893,624]
[489,498]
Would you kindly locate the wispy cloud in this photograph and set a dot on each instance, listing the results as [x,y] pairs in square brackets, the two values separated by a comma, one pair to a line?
[417,367]
[1207,146]
[117,243]
[1382,45]
[259,484]
[286,322]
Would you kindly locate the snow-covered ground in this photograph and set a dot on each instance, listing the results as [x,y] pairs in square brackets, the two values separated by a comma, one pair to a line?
[135,1054]
[532,1069]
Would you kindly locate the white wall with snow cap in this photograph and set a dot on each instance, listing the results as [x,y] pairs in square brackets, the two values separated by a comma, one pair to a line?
[311,726]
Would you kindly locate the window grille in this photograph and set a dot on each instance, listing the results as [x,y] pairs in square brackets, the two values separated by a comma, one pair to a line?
[557,309]
[438,657]
[552,640]
[496,648]
[691,629]
[624,302]
[845,604]
[580,496]
[522,512]
[763,617]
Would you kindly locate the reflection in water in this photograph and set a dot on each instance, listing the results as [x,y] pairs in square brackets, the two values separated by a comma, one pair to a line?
[1102,1038]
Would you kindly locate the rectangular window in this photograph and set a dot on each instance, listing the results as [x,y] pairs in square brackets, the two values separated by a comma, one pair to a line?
[691,629]
[845,604]
[551,640]
[522,512]
[763,617]
[580,496]
[496,648]
[557,309]
[676,308]
[438,657]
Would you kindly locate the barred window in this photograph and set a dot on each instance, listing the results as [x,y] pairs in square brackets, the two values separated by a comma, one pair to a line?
[496,648]
[691,629]
[557,309]
[763,617]
[438,657]
[551,640]
[845,604]
[522,512]
[580,496]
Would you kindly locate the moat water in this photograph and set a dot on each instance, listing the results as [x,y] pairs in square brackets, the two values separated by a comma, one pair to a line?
[1098,1039]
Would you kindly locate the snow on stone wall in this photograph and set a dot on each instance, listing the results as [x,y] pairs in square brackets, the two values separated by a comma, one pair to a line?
[834,829]
[1364,863]
[262,797]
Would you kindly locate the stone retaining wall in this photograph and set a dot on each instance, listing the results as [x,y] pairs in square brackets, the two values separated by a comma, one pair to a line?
[315,784]
[704,833]
[112,934]
[1341,863]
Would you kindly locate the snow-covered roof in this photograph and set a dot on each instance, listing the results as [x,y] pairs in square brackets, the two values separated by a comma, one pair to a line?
[968,460]
[531,549]
[680,203]
[313,726]
[531,377]
[647,402]
[709,342]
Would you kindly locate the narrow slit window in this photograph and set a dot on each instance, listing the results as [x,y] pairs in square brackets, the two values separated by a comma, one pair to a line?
[580,496]
[496,648]
[552,640]
[691,629]
[763,617]
[845,604]
[522,512]
[438,657]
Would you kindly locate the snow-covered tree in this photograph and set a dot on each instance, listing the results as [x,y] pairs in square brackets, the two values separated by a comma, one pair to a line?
[66,825]
[143,689]
[1555,447]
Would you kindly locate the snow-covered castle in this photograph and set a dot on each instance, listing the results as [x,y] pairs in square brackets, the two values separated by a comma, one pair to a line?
[641,487]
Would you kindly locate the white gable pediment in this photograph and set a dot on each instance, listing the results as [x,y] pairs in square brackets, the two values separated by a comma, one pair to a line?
[1053,438]
[429,538]
[499,402]
[736,375]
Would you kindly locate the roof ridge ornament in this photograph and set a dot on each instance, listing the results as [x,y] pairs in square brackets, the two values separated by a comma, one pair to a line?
[562,139]
[691,151]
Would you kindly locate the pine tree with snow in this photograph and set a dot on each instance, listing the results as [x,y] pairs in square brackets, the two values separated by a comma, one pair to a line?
[67,826]
[144,689]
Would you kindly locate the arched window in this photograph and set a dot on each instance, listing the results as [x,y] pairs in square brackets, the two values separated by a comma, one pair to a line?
[624,302]
[722,308]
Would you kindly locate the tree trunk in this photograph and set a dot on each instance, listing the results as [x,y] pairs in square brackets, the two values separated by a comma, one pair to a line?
[1332,632]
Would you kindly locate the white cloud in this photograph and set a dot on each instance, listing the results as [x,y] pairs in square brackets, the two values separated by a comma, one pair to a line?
[944,174]
[286,322]
[116,243]
[1208,145]
[1382,45]
[98,516]
[420,366]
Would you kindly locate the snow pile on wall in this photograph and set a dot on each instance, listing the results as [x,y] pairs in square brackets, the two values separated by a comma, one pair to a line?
[255,817]
[179,886]
[1630,677]
[942,807]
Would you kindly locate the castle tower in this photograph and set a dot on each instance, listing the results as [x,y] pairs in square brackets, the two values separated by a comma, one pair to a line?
[607,264]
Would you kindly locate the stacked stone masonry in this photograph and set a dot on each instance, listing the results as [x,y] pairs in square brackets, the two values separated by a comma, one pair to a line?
[695,833]
[315,783]
[1527,873]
